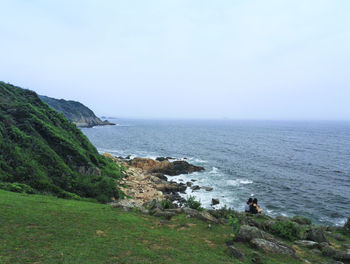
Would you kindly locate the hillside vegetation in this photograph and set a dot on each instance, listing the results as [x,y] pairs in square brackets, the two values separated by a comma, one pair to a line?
[41,151]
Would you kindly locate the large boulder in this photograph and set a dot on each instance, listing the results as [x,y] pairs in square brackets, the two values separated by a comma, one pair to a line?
[307,243]
[202,215]
[272,247]
[165,166]
[247,233]
[234,252]
[316,234]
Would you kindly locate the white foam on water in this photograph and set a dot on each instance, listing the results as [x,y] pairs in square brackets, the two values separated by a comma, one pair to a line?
[214,170]
[238,182]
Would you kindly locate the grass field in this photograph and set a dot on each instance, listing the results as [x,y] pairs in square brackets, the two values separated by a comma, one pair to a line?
[44,229]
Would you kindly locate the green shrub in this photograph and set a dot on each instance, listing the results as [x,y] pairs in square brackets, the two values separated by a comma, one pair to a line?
[286,229]
[167,204]
[192,203]
[17,187]
[234,222]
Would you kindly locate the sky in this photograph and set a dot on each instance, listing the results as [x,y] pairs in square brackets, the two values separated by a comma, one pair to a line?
[247,59]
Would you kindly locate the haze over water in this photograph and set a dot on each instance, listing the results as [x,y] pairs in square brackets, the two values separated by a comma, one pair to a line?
[293,168]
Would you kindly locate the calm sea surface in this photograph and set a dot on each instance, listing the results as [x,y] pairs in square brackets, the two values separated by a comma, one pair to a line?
[293,168]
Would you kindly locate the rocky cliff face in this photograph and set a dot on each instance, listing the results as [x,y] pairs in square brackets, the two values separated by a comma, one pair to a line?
[75,112]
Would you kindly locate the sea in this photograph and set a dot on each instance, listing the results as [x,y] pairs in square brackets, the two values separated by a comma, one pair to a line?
[291,167]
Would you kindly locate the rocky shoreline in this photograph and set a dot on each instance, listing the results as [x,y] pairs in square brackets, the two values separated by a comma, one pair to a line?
[149,191]
[145,179]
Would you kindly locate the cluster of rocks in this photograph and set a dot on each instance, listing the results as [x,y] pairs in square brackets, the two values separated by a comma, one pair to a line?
[260,235]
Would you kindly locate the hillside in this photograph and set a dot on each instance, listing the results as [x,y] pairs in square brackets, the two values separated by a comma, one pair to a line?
[75,112]
[42,149]
[44,229]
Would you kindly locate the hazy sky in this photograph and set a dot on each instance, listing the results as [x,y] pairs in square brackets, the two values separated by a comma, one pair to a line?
[262,59]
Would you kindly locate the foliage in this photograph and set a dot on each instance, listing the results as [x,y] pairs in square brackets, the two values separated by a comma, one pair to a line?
[167,204]
[17,187]
[192,203]
[42,149]
[234,222]
[286,229]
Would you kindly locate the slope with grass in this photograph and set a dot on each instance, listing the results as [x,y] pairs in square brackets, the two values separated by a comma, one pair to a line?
[44,229]
[40,150]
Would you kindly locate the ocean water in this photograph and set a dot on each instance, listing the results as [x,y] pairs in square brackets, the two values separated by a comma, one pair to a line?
[293,168]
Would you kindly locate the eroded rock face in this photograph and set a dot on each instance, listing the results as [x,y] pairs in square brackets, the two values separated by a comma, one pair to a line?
[316,234]
[247,233]
[165,166]
[307,243]
[234,252]
[272,247]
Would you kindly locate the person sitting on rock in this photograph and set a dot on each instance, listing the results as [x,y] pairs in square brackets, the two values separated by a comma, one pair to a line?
[254,207]
[247,205]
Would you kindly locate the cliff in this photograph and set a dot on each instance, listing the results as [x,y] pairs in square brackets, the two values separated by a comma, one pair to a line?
[42,151]
[75,112]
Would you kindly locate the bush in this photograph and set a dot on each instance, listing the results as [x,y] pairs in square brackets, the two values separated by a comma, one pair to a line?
[17,187]
[192,203]
[286,229]
[167,204]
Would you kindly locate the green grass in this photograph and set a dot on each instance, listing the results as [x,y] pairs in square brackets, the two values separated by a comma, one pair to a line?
[44,229]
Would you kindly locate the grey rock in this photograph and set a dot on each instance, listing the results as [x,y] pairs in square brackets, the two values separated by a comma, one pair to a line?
[316,251]
[316,234]
[208,189]
[234,252]
[195,188]
[341,255]
[307,243]
[189,184]
[215,201]
[247,233]
[159,213]
[272,247]
[328,251]
[202,215]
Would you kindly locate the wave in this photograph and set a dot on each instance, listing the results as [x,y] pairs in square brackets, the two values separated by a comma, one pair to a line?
[237,182]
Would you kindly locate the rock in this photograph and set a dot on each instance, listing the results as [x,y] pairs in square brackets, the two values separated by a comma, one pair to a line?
[341,255]
[316,251]
[89,171]
[193,180]
[165,166]
[151,205]
[272,247]
[208,189]
[334,262]
[267,225]
[234,252]
[328,251]
[257,258]
[316,234]
[347,226]
[347,246]
[159,213]
[171,187]
[301,220]
[338,237]
[214,201]
[323,244]
[160,176]
[189,184]
[282,218]
[195,188]
[247,233]
[128,205]
[202,215]
[307,243]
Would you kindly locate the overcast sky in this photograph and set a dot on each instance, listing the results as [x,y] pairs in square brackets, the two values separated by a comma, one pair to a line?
[263,59]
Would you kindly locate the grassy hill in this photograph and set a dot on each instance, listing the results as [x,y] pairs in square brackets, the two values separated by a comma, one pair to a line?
[41,151]
[44,229]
